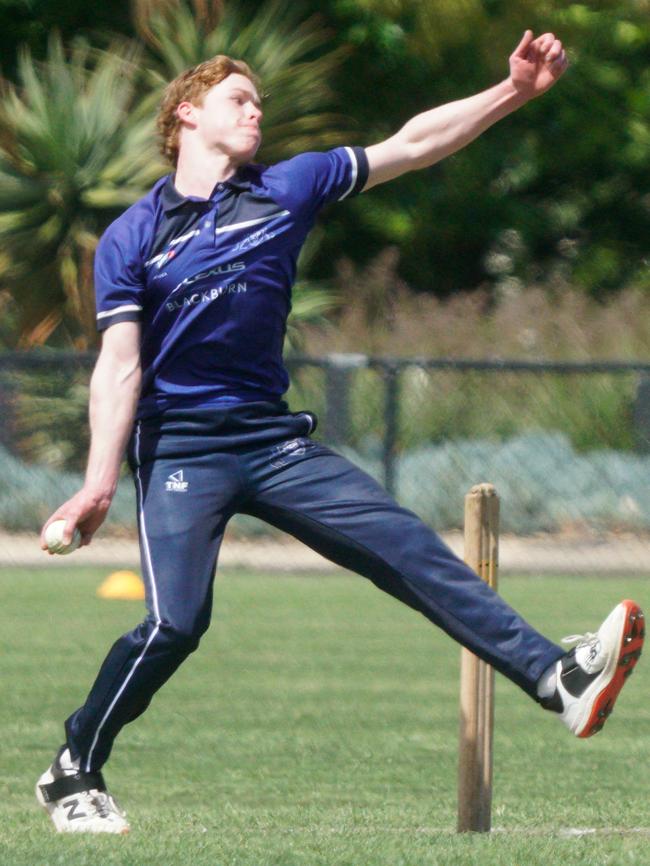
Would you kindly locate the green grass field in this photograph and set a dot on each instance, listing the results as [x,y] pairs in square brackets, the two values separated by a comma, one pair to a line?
[317,725]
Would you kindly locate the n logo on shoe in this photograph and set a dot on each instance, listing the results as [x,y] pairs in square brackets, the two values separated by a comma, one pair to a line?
[71,806]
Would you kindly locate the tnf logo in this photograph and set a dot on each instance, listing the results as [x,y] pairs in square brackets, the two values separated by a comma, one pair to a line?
[176,484]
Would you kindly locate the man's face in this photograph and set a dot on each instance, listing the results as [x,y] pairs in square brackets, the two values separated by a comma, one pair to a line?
[229,118]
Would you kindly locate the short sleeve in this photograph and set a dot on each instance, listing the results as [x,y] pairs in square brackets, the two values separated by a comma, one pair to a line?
[119,277]
[311,180]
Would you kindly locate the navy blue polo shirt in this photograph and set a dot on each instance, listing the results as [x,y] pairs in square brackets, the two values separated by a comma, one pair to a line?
[210,280]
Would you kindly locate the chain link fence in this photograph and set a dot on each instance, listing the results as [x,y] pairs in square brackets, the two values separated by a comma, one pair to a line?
[566,444]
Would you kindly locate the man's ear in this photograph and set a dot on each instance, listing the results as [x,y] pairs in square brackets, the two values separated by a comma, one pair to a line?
[186,113]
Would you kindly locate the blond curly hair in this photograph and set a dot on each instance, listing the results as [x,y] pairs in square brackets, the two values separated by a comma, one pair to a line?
[190,86]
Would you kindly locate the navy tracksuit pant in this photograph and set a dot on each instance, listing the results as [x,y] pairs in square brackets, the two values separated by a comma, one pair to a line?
[193,470]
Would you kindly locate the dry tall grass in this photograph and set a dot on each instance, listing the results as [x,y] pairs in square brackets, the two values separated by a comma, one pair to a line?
[379,314]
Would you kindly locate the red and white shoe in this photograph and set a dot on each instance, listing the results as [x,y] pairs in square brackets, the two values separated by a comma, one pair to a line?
[78,802]
[591,675]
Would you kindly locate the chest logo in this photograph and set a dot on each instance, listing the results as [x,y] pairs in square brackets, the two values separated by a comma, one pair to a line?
[172,248]
[254,240]
[218,271]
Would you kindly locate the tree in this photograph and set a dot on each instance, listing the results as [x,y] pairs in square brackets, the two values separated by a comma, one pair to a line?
[289,50]
[78,143]
[73,153]
[556,193]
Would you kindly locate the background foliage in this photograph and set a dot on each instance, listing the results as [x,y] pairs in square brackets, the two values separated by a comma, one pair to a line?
[557,194]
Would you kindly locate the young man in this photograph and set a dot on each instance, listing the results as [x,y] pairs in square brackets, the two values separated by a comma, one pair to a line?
[193,290]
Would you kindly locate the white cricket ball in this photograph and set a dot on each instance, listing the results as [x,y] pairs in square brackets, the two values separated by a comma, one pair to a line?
[54,538]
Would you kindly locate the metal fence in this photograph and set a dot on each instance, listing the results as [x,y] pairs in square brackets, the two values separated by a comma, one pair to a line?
[566,444]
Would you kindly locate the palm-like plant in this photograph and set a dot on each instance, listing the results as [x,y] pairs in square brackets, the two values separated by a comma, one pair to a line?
[77,139]
[311,300]
[285,48]
[72,154]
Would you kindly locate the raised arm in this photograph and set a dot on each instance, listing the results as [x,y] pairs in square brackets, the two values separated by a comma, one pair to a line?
[114,391]
[535,65]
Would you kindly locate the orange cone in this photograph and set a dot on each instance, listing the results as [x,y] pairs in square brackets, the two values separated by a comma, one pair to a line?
[122,585]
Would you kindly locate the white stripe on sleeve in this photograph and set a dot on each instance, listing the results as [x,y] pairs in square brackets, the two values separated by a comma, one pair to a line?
[125,308]
[355,172]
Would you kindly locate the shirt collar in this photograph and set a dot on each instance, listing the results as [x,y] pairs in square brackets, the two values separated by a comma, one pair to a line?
[171,198]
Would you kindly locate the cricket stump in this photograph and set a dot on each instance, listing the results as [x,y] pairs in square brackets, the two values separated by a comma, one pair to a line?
[477,677]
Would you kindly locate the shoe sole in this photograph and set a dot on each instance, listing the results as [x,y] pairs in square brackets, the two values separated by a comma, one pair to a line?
[629,652]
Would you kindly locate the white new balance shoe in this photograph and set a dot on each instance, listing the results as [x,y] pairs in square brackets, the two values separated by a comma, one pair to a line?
[78,802]
[590,676]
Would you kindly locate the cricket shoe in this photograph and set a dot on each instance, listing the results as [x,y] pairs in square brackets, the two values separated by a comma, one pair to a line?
[590,676]
[78,802]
